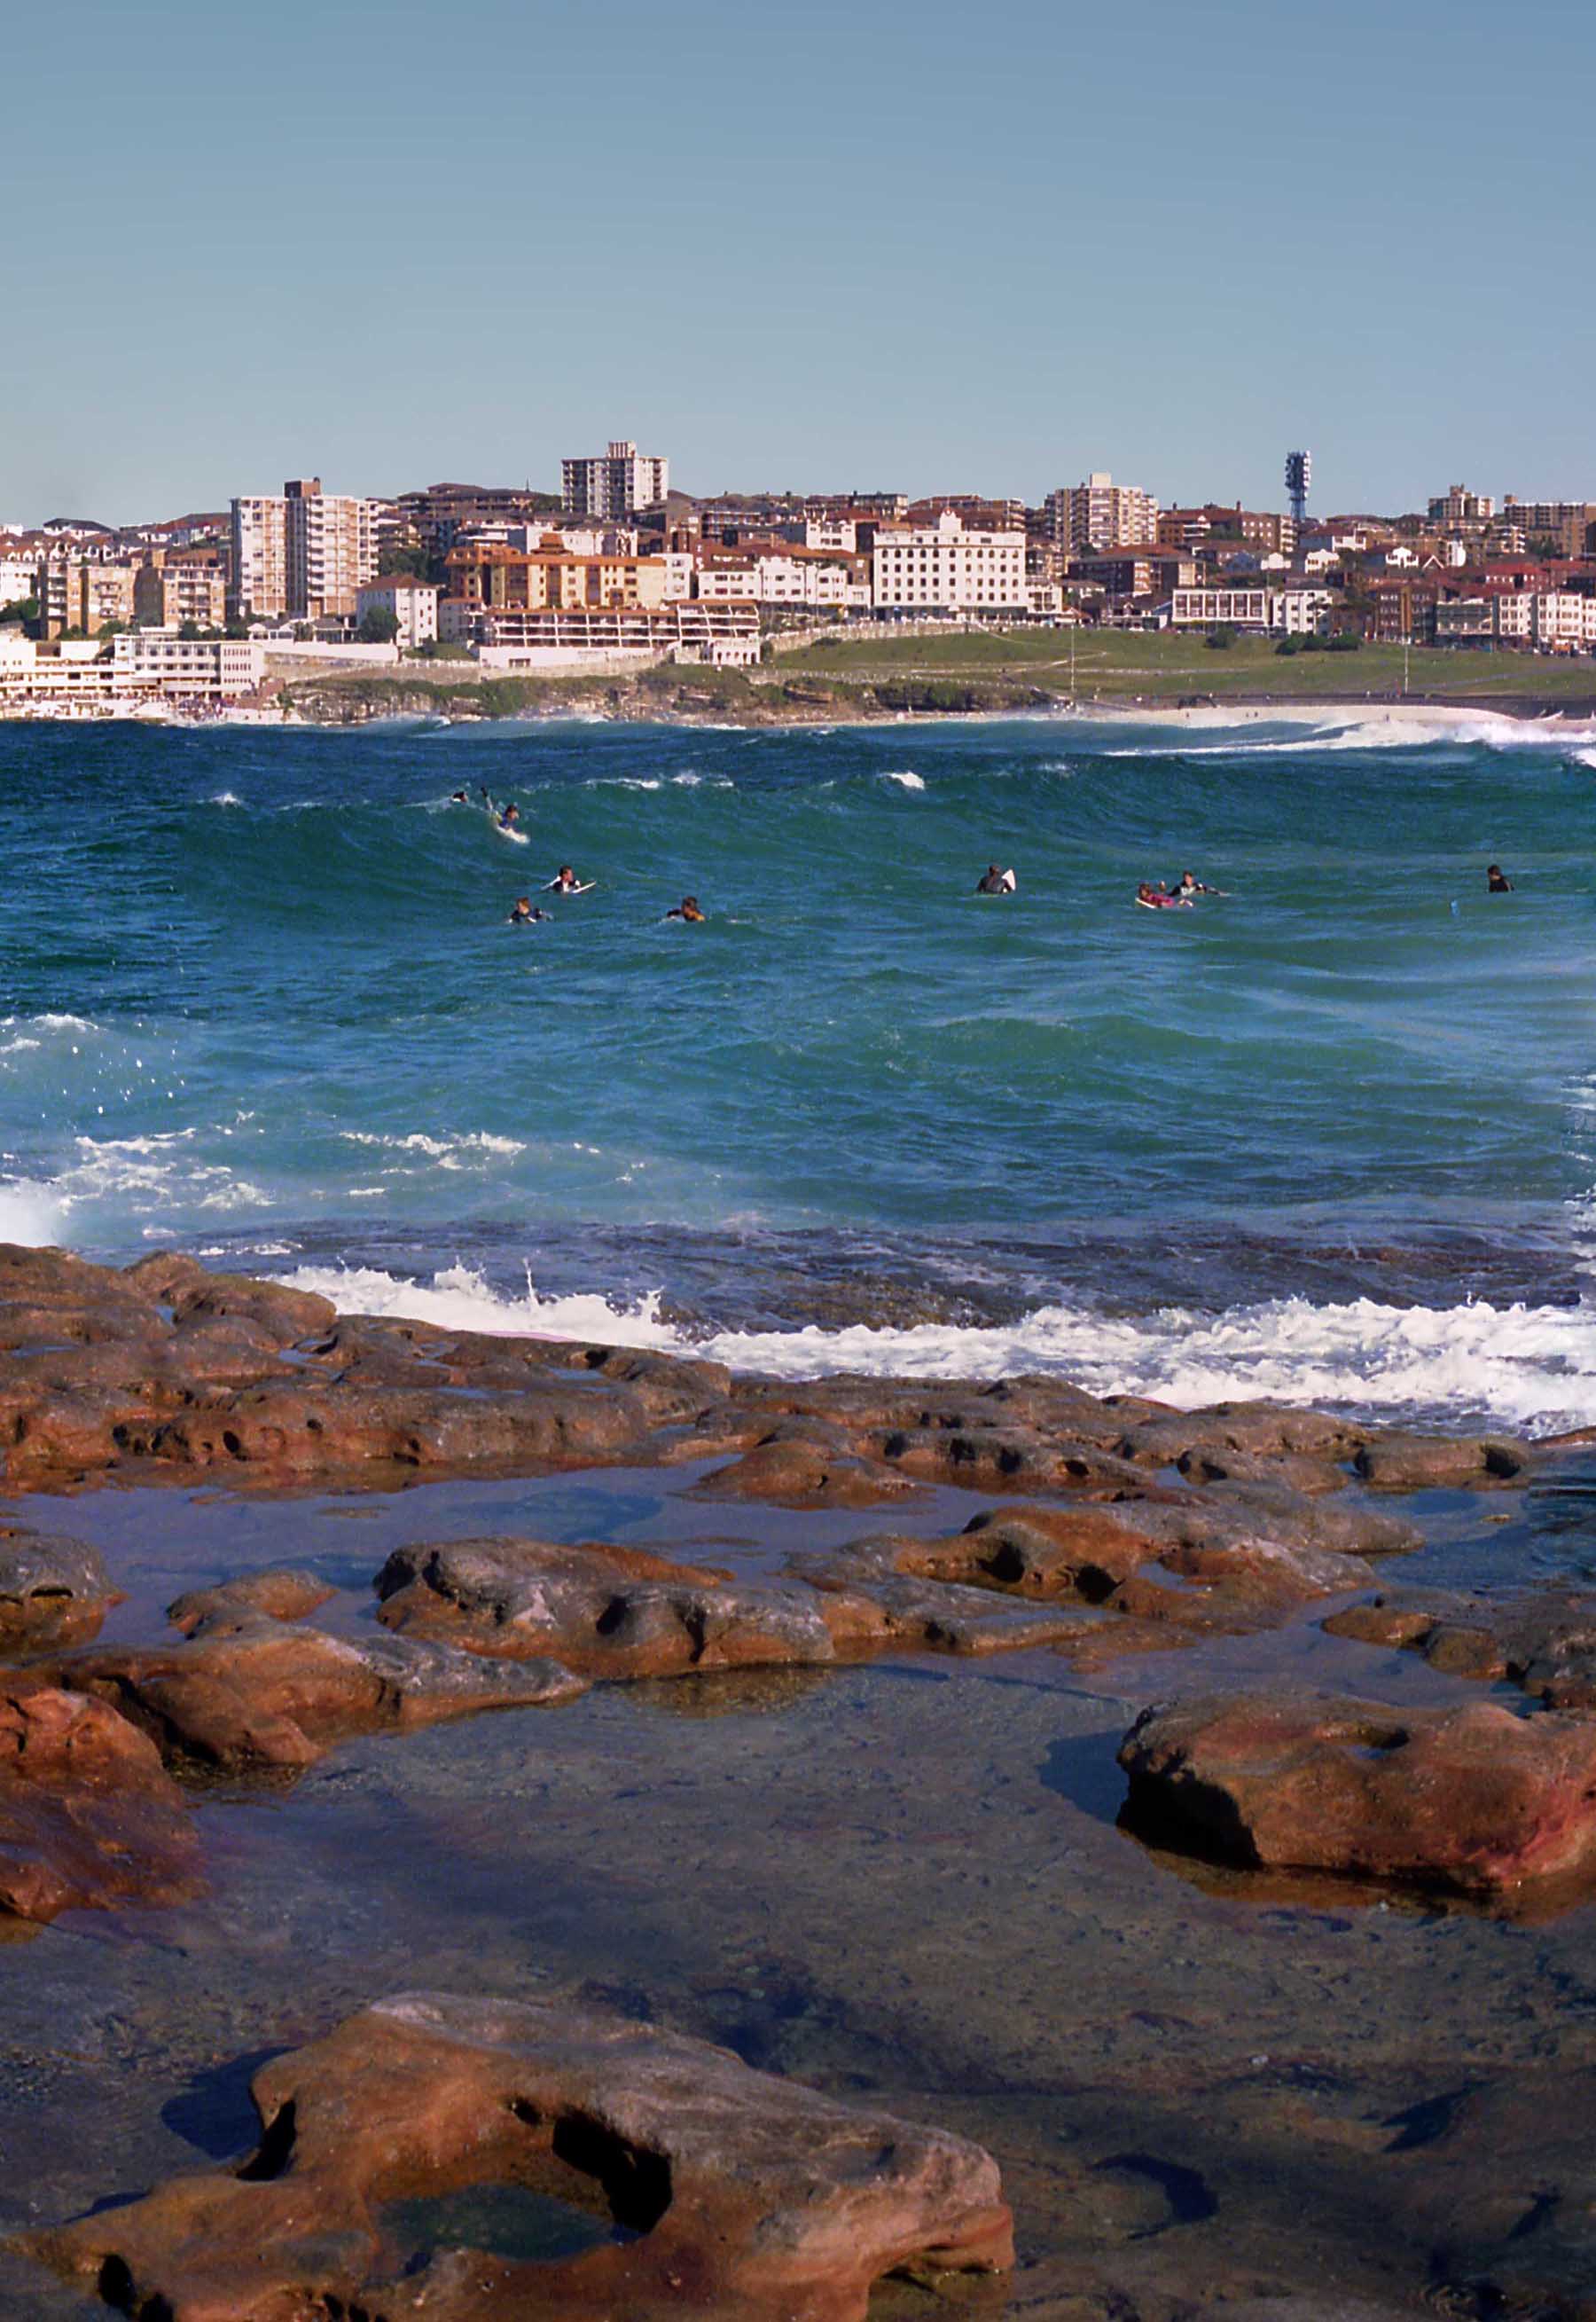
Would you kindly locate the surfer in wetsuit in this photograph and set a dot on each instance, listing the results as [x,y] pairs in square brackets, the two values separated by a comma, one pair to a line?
[1497,882]
[509,818]
[996,882]
[523,914]
[1190,885]
[1158,899]
[688,908]
[565,882]
[458,797]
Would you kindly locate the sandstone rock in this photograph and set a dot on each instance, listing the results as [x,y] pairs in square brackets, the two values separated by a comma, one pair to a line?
[606,1611]
[279,1594]
[748,2198]
[53,1591]
[1423,1463]
[1049,1552]
[247,1692]
[169,1279]
[1257,1430]
[1473,1800]
[1544,1641]
[88,1816]
[900,1593]
[800,1473]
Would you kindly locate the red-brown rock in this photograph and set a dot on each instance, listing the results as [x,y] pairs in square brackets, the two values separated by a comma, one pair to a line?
[281,1595]
[1473,1800]
[53,1591]
[748,2198]
[88,1815]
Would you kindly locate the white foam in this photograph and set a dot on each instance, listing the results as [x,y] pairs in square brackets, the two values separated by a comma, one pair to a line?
[460,1299]
[905,776]
[478,1147]
[30,1212]
[1532,1367]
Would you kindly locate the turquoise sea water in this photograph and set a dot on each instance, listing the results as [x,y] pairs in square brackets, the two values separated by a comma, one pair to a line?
[1333,1135]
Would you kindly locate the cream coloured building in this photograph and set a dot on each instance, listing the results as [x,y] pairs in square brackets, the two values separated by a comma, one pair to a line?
[941,568]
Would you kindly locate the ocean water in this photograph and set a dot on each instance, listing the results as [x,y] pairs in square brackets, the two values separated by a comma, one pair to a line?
[1331,1137]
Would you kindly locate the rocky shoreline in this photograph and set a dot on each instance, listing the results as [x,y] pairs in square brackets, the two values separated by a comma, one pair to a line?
[1022,1524]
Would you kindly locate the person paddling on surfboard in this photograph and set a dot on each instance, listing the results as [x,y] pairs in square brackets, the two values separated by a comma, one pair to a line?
[1158,899]
[522,914]
[510,818]
[995,882]
[1190,886]
[1497,882]
[564,883]
[688,908]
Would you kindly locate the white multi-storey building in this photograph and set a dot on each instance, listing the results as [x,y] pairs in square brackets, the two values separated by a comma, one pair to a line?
[413,603]
[805,580]
[941,568]
[1100,514]
[612,485]
[303,552]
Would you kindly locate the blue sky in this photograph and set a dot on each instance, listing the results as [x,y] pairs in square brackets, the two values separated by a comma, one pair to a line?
[930,246]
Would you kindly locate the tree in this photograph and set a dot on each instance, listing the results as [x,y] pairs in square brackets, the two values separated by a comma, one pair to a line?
[1220,639]
[1344,641]
[379,626]
[188,631]
[21,608]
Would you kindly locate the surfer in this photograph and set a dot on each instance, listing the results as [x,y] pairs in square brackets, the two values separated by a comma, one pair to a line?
[458,797]
[1158,899]
[510,817]
[523,914]
[1189,885]
[996,882]
[688,908]
[564,883]
[1497,882]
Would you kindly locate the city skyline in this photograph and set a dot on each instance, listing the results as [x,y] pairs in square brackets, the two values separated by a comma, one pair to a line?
[922,246]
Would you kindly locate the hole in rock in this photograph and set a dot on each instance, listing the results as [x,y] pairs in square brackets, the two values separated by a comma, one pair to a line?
[272,2157]
[504,2220]
[1186,2191]
[636,2182]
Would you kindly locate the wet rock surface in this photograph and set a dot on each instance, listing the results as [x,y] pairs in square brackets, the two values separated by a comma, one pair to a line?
[88,1815]
[904,1880]
[53,1590]
[730,2193]
[1473,1800]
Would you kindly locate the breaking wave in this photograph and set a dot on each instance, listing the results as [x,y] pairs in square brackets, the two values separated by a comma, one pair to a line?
[1531,1367]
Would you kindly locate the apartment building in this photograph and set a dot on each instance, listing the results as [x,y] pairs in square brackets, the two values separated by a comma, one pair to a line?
[481,573]
[614,483]
[1215,527]
[1153,573]
[804,577]
[76,595]
[171,593]
[516,638]
[1458,505]
[303,551]
[1100,514]
[413,603]
[1569,525]
[942,568]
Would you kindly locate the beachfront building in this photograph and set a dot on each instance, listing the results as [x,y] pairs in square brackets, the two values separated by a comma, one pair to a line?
[942,568]
[1100,514]
[723,636]
[413,603]
[614,482]
[185,669]
[1285,612]
[259,556]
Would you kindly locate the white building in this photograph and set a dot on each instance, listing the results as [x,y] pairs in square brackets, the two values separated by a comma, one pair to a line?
[1286,612]
[1564,619]
[215,669]
[613,485]
[793,581]
[18,577]
[1100,514]
[413,603]
[941,568]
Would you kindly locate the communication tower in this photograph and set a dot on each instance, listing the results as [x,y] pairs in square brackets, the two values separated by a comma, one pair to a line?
[1298,476]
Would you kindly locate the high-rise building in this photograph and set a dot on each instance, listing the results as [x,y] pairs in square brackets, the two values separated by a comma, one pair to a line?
[304,553]
[1100,514]
[1458,504]
[622,480]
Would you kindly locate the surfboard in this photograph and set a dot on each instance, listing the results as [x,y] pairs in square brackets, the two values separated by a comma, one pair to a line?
[516,837]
